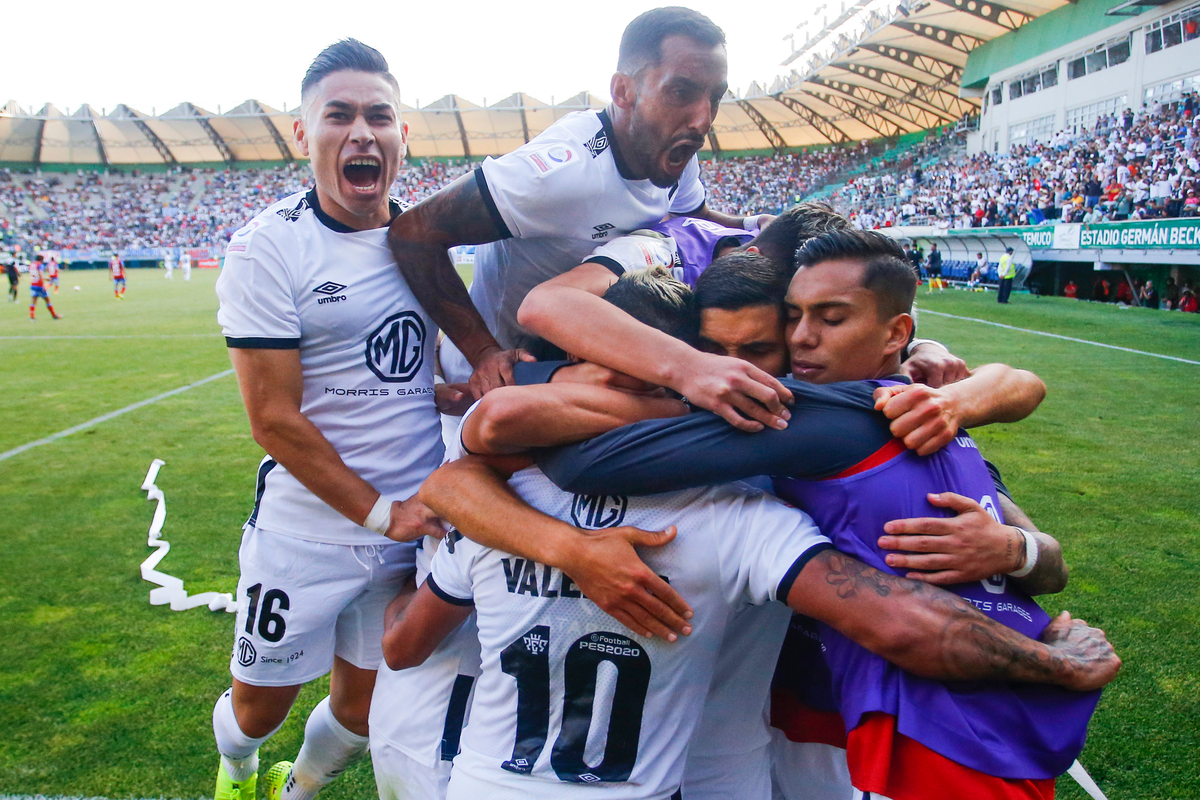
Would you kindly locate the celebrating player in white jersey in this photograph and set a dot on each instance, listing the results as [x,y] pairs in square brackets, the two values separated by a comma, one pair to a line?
[334,360]
[618,706]
[588,178]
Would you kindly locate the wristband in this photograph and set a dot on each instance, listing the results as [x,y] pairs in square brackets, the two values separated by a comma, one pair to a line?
[915,343]
[1031,553]
[380,518]
[750,224]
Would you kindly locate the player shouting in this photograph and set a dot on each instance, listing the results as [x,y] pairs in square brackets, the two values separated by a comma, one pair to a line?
[334,358]
[37,287]
[590,177]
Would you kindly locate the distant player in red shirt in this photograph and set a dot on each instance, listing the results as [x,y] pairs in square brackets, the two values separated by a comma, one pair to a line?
[52,273]
[37,288]
[116,268]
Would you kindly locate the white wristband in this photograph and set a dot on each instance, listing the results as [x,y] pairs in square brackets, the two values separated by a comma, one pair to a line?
[380,518]
[915,343]
[1031,554]
[751,224]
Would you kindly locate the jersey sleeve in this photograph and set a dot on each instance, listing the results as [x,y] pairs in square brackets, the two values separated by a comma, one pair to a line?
[530,191]
[450,571]
[456,449]
[832,428]
[637,250]
[258,306]
[690,195]
[766,545]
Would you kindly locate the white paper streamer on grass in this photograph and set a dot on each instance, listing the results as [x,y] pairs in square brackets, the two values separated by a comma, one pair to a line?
[1083,779]
[170,590]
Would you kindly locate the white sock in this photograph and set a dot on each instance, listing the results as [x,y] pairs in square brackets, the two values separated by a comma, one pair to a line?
[239,752]
[327,750]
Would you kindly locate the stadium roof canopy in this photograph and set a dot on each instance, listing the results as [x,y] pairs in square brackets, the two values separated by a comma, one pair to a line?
[876,70]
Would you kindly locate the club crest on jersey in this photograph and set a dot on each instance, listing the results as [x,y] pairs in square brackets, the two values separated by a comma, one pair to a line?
[596,511]
[396,349]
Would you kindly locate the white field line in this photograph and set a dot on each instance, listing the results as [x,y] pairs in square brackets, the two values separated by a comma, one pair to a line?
[105,418]
[925,311]
[116,336]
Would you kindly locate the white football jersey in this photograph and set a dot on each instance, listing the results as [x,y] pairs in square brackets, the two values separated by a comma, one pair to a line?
[569,700]
[558,197]
[295,278]
[421,710]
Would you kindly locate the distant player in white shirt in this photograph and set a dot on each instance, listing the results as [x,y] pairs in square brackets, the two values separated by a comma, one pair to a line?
[169,265]
[589,178]
[185,265]
[334,360]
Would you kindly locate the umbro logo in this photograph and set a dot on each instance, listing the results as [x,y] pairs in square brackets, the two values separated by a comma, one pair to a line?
[330,289]
[293,214]
[602,230]
[597,144]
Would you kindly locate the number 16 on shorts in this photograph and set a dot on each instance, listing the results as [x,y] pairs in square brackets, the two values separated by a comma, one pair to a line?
[264,619]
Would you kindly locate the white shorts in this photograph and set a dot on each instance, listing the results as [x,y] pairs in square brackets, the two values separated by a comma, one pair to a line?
[399,777]
[745,776]
[300,603]
[809,771]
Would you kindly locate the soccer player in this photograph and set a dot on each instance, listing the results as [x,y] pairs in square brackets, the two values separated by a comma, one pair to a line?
[37,288]
[740,302]
[169,265]
[14,277]
[687,247]
[847,323]
[649,692]
[333,356]
[185,265]
[116,270]
[52,273]
[590,177]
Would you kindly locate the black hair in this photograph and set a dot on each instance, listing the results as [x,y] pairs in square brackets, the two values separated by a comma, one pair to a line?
[740,280]
[886,272]
[779,240]
[347,54]
[641,43]
[656,298]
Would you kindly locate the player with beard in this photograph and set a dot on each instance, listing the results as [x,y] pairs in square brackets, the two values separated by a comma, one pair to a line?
[333,356]
[590,177]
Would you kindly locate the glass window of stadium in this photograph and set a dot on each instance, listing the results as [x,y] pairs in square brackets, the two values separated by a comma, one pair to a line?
[1182,26]
[1171,92]
[997,95]
[1085,116]
[1034,130]
[1110,54]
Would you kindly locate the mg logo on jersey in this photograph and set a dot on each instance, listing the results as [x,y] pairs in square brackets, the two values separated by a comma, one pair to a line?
[246,654]
[396,349]
[598,510]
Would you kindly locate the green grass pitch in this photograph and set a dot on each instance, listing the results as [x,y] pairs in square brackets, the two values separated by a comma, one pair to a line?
[103,695]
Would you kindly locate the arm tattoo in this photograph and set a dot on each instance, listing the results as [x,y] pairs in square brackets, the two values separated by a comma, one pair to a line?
[961,643]
[419,239]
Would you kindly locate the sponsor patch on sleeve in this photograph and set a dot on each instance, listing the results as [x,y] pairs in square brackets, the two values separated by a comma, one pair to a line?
[550,158]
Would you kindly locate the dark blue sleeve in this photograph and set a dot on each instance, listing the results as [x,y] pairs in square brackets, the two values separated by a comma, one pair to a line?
[529,373]
[832,428]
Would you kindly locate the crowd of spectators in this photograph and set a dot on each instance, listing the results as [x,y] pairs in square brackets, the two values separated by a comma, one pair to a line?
[193,208]
[1130,166]
[757,184]
[1175,296]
